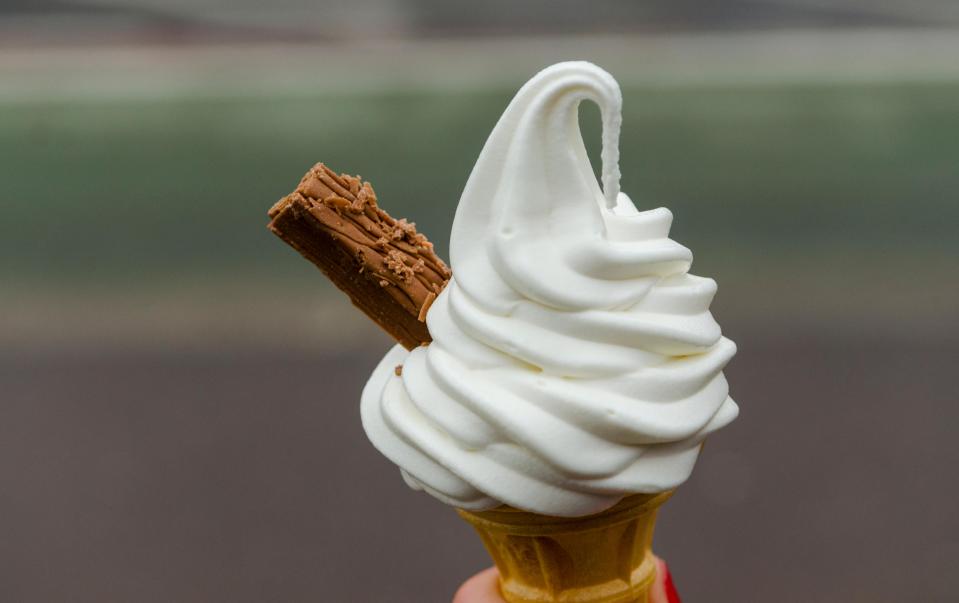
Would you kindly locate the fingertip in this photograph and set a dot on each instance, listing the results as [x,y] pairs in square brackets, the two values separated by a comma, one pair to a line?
[481,588]
[664,590]
[484,587]
[661,570]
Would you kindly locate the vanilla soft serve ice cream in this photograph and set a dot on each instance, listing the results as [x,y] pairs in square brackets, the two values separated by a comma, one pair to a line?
[574,359]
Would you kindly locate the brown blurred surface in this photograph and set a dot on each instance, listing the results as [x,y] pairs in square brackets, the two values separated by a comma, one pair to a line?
[243,474]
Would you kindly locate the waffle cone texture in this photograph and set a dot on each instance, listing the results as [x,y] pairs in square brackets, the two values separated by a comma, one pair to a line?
[602,558]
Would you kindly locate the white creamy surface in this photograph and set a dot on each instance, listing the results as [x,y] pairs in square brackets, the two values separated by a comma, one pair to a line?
[574,359]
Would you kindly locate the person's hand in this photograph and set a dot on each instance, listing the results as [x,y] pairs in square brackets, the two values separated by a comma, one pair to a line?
[484,587]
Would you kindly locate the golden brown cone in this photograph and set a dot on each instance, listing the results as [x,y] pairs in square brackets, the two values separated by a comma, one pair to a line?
[602,558]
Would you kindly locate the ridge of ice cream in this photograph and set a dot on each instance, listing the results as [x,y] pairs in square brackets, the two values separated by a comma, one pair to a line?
[574,359]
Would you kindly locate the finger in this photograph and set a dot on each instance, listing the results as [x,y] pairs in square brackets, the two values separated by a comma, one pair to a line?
[484,588]
[481,588]
[663,590]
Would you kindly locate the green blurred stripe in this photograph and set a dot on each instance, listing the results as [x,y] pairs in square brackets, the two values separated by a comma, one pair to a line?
[146,190]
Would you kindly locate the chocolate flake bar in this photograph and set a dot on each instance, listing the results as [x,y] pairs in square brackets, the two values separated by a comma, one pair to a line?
[387,268]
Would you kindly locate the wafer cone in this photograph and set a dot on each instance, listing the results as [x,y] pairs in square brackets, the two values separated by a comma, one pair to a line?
[602,558]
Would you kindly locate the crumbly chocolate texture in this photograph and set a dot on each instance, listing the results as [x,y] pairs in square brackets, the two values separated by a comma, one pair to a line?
[388,269]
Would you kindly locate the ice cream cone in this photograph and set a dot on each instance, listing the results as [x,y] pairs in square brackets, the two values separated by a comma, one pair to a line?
[572,359]
[602,558]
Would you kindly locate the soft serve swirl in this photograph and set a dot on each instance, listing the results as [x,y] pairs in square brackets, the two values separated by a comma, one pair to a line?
[574,360]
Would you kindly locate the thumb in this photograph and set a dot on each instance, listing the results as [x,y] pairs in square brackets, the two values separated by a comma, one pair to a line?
[481,588]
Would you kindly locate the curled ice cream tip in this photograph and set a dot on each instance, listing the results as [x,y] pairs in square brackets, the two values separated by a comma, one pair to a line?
[574,360]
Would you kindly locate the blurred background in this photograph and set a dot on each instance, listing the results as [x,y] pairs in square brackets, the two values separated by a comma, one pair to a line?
[179,390]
